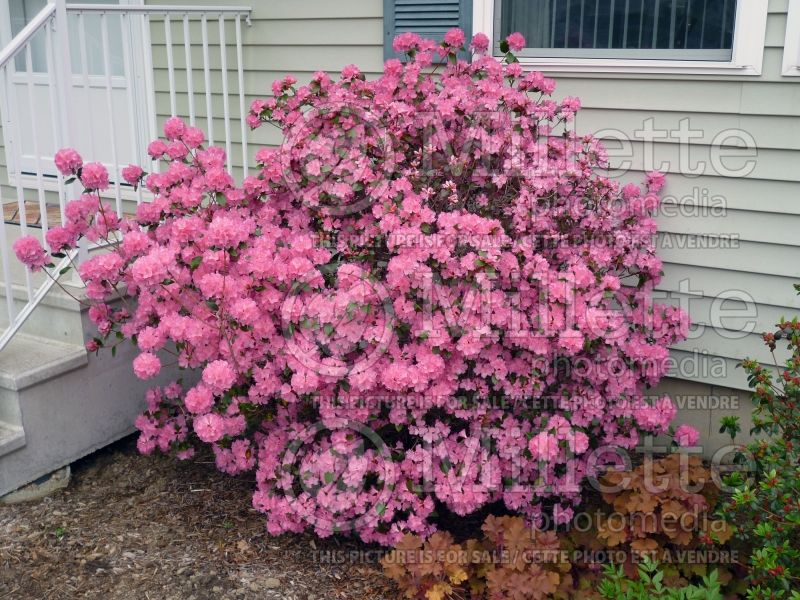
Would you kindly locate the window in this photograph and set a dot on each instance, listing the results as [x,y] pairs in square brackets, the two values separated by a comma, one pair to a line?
[791,48]
[678,29]
[648,36]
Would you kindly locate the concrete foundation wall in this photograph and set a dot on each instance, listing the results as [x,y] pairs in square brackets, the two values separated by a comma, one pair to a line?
[703,406]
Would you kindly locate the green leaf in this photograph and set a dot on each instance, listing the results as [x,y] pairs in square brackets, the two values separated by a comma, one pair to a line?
[195,262]
[380,508]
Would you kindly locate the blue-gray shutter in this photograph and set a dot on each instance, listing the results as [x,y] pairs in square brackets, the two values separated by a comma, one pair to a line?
[428,18]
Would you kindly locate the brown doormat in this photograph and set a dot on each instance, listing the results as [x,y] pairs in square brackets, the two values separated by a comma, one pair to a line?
[33,217]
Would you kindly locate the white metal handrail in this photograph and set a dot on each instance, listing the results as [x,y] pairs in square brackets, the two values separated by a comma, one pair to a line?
[159,8]
[38,296]
[29,69]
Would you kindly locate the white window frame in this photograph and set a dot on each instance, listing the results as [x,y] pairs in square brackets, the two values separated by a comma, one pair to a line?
[791,47]
[748,48]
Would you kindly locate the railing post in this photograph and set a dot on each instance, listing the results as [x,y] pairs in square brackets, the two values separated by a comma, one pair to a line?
[63,68]
[63,79]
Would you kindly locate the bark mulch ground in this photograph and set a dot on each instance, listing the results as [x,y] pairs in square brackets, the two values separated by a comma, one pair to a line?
[154,528]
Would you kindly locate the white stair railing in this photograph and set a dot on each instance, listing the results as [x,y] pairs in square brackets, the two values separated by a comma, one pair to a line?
[99,78]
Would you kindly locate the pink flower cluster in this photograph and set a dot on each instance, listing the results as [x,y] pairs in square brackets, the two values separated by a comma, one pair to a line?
[422,299]
[29,252]
[686,436]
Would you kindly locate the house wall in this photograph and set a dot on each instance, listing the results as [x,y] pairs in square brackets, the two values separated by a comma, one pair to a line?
[285,37]
[736,238]
[755,217]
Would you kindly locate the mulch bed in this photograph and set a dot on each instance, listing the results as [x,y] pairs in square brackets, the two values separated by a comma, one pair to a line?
[154,528]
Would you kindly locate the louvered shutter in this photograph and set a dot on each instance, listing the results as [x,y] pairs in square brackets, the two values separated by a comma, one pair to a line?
[428,18]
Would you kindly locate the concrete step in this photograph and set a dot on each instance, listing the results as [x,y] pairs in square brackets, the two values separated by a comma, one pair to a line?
[12,437]
[58,403]
[26,362]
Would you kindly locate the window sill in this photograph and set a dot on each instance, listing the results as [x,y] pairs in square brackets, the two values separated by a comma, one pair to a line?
[640,67]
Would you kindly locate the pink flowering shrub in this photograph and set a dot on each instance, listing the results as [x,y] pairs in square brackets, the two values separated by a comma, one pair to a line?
[427,297]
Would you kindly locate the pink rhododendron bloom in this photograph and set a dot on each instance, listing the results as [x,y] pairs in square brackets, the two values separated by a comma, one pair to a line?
[219,376]
[578,442]
[177,151]
[454,38]
[147,365]
[174,128]
[686,436]
[516,41]
[60,238]
[218,180]
[209,427]
[406,42]
[655,181]
[152,267]
[29,251]
[571,341]
[132,174]
[544,446]
[199,399]
[194,137]
[480,43]
[68,161]
[658,416]
[156,149]
[94,176]
[351,72]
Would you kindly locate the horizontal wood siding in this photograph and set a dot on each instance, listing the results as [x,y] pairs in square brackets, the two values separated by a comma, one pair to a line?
[758,214]
[718,233]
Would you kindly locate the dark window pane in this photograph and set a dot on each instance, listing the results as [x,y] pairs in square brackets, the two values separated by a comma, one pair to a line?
[679,29]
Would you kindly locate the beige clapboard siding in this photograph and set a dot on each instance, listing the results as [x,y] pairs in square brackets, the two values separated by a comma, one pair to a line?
[737,194]
[692,94]
[285,33]
[762,210]
[735,311]
[748,226]
[711,281]
[295,9]
[329,58]
[768,131]
[302,36]
[770,259]
[737,348]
